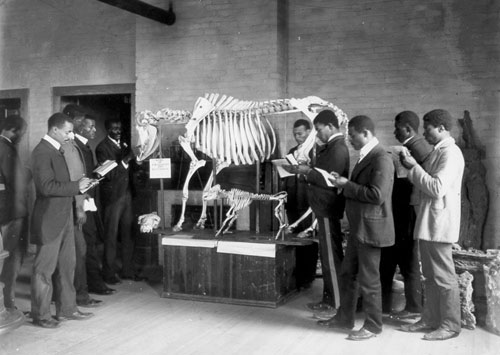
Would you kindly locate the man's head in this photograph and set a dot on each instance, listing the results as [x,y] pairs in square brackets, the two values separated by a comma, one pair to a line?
[114,128]
[361,131]
[437,126]
[326,125]
[13,127]
[301,130]
[76,113]
[405,125]
[87,128]
[60,127]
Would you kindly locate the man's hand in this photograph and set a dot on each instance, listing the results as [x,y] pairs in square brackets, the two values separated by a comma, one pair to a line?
[337,180]
[84,183]
[407,160]
[81,217]
[130,156]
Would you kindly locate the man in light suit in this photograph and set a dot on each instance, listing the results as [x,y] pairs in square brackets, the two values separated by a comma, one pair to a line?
[369,211]
[438,182]
[52,227]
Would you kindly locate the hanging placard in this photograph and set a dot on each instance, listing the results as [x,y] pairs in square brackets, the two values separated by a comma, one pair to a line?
[159,168]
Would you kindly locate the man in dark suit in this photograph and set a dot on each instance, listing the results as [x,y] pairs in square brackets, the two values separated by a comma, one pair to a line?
[369,211]
[296,205]
[116,200]
[52,227]
[404,253]
[328,206]
[85,131]
[13,205]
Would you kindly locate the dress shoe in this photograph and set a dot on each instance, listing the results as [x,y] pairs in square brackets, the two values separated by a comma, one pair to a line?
[334,322]
[132,277]
[440,334]
[46,323]
[105,291]
[325,315]
[77,315]
[112,280]
[318,306]
[419,326]
[89,303]
[362,334]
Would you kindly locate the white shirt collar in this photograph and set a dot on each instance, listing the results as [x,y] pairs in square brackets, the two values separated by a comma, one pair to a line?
[334,135]
[367,148]
[81,138]
[444,141]
[52,141]
[117,143]
[7,139]
[407,140]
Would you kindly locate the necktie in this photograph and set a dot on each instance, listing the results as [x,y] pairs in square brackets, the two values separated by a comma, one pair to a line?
[61,150]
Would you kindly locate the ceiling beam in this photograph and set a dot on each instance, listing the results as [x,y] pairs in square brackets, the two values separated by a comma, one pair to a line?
[144,9]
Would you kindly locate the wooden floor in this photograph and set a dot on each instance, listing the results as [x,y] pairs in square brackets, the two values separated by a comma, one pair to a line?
[136,320]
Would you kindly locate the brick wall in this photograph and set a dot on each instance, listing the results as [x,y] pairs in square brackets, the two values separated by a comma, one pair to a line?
[374,57]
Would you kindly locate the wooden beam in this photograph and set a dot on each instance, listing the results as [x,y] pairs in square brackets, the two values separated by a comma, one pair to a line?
[146,10]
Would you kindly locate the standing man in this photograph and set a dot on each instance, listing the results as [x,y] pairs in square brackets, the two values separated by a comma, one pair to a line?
[13,205]
[84,132]
[328,205]
[369,211]
[52,227]
[404,253]
[438,182]
[296,205]
[116,199]
[77,169]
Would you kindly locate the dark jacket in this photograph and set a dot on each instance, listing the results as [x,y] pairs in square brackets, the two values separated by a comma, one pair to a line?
[296,188]
[54,193]
[89,162]
[368,199]
[117,182]
[326,201]
[13,183]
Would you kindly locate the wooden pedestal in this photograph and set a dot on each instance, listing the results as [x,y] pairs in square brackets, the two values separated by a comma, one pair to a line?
[245,270]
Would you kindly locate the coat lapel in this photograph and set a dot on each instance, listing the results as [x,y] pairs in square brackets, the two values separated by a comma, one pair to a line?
[358,168]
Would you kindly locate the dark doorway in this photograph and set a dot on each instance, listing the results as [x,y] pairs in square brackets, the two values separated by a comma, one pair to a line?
[103,107]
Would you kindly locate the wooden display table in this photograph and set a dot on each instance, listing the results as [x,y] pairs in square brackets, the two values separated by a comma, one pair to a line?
[240,269]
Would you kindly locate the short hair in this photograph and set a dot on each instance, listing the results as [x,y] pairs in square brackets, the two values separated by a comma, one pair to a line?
[359,123]
[88,116]
[58,120]
[110,121]
[73,110]
[409,118]
[439,117]
[15,122]
[302,122]
[327,117]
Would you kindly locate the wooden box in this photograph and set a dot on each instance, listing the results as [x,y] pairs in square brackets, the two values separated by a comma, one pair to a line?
[249,272]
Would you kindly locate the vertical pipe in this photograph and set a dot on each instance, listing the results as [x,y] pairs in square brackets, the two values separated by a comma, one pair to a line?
[257,191]
[214,171]
[162,201]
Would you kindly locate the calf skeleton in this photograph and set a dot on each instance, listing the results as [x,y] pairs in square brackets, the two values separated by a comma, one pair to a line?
[239,199]
[229,131]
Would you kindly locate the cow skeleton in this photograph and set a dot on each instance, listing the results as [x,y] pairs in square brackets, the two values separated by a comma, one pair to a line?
[229,131]
[239,199]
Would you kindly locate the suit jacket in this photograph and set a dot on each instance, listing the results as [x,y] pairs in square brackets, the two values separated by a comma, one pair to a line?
[438,183]
[326,201]
[13,183]
[368,199]
[54,193]
[404,215]
[117,182]
[296,188]
[89,162]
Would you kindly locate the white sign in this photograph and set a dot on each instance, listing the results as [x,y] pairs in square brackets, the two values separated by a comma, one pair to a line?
[159,168]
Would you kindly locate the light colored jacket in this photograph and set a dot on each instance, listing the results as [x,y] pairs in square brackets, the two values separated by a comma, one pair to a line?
[438,183]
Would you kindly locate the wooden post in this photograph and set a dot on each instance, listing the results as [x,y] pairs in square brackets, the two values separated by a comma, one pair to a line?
[214,172]
[257,191]
[162,202]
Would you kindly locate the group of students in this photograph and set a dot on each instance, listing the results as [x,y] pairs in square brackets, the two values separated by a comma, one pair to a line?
[65,224]
[403,209]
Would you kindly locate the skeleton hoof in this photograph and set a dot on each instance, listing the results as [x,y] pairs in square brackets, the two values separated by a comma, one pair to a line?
[199,225]
[177,228]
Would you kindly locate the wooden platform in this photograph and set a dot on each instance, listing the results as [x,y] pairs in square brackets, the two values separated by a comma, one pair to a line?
[239,269]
